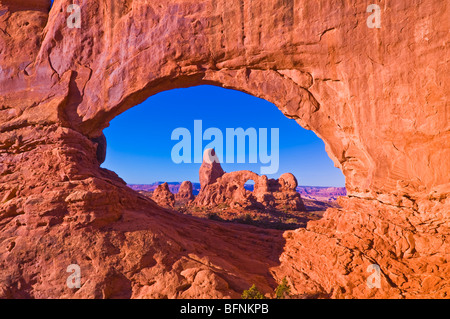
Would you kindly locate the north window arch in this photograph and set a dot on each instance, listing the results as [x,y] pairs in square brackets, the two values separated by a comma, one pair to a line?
[139,140]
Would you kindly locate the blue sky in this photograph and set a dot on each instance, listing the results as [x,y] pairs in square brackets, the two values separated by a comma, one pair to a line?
[140,145]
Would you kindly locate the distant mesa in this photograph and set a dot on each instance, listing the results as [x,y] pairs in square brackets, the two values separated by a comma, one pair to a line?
[321,193]
[174,187]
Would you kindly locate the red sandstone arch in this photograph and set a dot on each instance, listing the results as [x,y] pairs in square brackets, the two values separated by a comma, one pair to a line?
[377,98]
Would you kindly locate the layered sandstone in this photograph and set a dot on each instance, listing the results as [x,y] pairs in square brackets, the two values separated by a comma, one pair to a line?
[377,97]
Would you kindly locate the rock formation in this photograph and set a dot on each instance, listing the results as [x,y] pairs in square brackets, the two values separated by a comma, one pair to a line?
[163,196]
[377,97]
[284,191]
[185,194]
[229,189]
[211,169]
[174,187]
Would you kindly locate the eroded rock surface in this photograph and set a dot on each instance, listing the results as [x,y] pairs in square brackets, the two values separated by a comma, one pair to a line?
[185,194]
[377,97]
[163,196]
[229,189]
[211,169]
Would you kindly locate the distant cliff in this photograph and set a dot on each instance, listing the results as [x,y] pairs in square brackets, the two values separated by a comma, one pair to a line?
[310,192]
[173,186]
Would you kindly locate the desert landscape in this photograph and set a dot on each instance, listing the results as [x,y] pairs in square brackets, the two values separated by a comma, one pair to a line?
[376,96]
[267,203]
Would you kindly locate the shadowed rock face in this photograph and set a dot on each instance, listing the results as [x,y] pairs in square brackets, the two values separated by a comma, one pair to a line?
[101,148]
[377,98]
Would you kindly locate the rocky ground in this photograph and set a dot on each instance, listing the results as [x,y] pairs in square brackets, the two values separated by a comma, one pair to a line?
[276,219]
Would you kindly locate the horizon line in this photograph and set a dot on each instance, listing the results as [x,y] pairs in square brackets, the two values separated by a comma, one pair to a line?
[173,182]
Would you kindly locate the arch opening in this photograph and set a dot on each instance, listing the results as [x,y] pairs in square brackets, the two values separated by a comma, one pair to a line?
[142,140]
